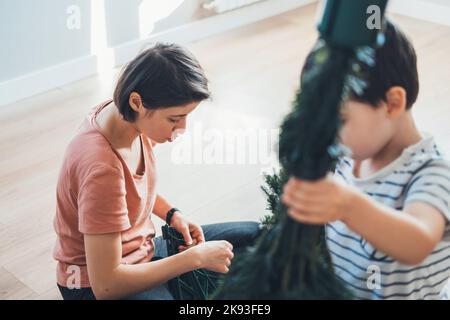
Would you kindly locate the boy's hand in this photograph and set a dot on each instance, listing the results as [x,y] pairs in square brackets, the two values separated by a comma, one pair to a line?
[318,202]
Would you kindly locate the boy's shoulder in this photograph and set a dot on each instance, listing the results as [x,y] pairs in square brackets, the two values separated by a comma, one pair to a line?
[420,174]
[422,158]
[424,155]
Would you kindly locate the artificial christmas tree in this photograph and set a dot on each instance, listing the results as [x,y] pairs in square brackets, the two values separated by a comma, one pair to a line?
[291,260]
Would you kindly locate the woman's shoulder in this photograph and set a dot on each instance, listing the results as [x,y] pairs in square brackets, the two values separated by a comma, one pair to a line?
[89,149]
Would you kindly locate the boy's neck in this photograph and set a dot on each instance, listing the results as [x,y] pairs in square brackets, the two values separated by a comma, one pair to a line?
[407,135]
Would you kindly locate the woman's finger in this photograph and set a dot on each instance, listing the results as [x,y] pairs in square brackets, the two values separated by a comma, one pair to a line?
[186,236]
[197,233]
[228,245]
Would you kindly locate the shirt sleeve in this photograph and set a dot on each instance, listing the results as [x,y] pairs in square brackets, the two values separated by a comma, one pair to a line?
[102,206]
[431,185]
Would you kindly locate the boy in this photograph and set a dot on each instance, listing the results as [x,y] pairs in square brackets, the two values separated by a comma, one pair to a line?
[386,209]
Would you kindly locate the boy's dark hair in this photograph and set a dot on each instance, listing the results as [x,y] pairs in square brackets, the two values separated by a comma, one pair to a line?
[164,75]
[396,65]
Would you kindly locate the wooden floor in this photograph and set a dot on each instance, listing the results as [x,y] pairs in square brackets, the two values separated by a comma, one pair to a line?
[254,72]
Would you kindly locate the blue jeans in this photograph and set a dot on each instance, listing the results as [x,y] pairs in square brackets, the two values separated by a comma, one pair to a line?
[239,234]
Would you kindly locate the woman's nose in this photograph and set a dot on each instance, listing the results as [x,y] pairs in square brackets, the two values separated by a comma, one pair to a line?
[181,125]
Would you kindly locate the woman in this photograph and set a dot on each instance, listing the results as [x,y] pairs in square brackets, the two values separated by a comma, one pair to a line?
[106,189]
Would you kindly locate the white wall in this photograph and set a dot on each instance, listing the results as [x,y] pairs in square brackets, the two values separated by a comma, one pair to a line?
[38,51]
[33,35]
[437,11]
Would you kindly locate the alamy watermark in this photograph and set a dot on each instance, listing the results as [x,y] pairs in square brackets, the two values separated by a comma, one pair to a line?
[73,21]
[242,146]
[74,278]
[374,279]
[374,20]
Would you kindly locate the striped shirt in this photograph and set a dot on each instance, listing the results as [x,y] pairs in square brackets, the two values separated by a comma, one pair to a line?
[420,174]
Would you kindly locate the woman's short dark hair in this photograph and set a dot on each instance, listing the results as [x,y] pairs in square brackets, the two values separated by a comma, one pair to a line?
[164,75]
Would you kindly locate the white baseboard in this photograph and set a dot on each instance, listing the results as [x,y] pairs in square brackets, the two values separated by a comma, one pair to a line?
[46,79]
[210,26]
[422,9]
[65,73]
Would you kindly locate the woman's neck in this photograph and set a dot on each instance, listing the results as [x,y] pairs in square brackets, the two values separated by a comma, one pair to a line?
[120,133]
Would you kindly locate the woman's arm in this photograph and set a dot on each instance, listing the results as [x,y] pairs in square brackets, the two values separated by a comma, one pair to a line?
[110,279]
[161,207]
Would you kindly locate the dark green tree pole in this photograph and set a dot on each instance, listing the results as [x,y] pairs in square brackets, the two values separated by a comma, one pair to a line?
[291,260]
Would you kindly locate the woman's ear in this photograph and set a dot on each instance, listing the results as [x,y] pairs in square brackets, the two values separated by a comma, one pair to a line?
[135,101]
[396,101]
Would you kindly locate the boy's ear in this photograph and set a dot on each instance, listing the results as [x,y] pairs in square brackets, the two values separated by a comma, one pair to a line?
[396,101]
[135,101]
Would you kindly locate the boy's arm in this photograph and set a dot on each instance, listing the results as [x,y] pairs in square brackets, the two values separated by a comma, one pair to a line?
[408,236]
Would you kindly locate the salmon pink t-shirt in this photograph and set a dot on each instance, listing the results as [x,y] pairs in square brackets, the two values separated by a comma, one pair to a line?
[97,194]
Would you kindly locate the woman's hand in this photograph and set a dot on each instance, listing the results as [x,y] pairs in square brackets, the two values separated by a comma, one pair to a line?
[318,202]
[192,233]
[215,256]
